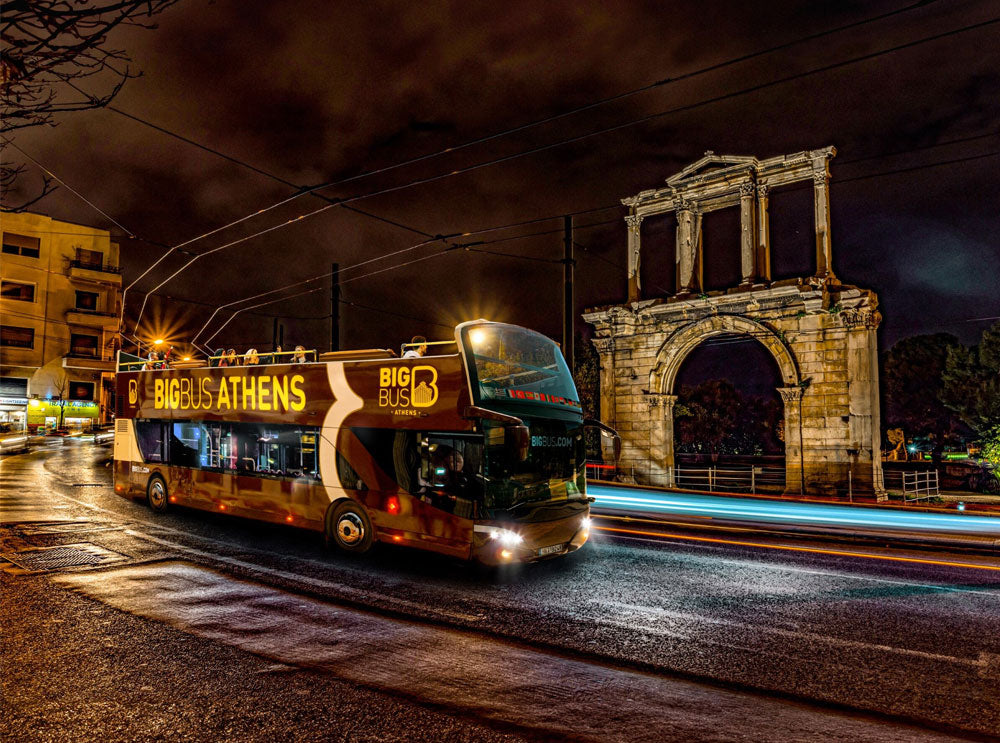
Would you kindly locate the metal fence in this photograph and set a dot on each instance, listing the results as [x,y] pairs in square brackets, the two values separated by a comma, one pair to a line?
[920,485]
[732,478]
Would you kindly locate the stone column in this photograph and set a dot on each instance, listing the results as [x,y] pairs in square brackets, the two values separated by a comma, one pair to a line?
[699,251]
[748,234]
[606,351]
[763,257]
[687,248]
[667,459]
[792,398]
[821,209]
[634,221]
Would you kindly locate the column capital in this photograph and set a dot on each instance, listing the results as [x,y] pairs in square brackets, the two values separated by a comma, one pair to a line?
[747,189]
[604,345]
[820,178]
[633,221]
[790,394]
[763,190]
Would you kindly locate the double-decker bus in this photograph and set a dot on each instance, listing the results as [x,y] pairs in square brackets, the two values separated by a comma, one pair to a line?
[477,454]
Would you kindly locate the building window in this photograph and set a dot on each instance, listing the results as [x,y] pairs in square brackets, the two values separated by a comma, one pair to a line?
[86,301]
[81,390]
[83,345]
[17,337]
[13,387]
[20,245]
[18,291]
[89,258]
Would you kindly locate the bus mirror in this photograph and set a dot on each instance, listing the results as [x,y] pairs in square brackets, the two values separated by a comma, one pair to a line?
[609,433]
[518,440]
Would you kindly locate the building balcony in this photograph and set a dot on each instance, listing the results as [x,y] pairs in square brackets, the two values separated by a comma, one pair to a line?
[92,319]
[88,363]
[101,274]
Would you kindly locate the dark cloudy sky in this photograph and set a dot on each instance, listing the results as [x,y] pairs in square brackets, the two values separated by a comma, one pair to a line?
[313,92]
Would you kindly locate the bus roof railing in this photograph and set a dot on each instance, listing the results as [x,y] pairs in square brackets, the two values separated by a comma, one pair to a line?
[266,358]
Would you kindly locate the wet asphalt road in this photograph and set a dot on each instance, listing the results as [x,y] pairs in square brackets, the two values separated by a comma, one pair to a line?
[206,627]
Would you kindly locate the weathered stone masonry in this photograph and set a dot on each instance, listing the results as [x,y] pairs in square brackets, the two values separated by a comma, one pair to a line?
[821,333]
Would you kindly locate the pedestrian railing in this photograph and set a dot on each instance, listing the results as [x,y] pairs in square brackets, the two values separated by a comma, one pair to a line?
[920,485]
[731,478]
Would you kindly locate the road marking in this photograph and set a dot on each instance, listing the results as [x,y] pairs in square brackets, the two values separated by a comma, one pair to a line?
[790,548]
[459,670]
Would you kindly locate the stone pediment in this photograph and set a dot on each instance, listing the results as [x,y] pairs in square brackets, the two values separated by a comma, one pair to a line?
[711,164]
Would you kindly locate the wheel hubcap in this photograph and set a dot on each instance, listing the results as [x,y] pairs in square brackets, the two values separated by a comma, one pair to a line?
[157,493]
[351,529]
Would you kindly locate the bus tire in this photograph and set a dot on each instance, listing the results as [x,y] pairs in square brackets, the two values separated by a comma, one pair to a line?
[156,494]
[348,528]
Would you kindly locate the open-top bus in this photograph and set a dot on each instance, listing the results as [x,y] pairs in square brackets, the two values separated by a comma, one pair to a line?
[477,454]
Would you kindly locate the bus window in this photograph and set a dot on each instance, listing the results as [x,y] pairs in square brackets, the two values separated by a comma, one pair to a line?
[149,435]
[450,472]
[267,450]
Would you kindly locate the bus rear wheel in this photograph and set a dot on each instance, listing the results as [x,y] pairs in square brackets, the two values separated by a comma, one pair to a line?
[348,528]
[156,494]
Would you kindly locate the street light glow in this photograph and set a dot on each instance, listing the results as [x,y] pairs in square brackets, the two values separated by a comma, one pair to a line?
[158,341]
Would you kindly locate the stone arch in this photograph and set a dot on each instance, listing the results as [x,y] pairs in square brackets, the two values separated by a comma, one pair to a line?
[686,338]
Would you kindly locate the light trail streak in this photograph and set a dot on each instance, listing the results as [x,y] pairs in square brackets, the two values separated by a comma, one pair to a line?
[790,548]
[788,512]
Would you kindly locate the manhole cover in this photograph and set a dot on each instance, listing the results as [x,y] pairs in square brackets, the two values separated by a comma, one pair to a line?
[40,559]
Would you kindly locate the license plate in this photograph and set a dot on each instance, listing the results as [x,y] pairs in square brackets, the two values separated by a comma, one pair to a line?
[551,549]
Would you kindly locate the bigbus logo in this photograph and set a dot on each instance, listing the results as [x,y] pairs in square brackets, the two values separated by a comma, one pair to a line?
[407,387]
[133,391]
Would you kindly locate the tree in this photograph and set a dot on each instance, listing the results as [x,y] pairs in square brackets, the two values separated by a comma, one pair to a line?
[587,376]
[971,382]
[912,381]
[48,48]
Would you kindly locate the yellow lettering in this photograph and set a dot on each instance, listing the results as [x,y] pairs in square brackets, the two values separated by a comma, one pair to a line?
[281,393]
[224,396]
[158,394]
[206,392]
[296,385]
[250,390]
[263,392]
[185,394]
[384,376]
[234,382]
[404,377]
[175,393]
[383,397]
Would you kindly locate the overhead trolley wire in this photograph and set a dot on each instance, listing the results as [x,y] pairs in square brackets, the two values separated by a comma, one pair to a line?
[344,202]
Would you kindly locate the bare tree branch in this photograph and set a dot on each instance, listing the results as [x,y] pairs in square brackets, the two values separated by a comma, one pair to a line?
[47,47]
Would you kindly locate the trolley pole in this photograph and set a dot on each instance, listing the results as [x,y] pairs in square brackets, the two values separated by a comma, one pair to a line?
[335,309]
[568,296]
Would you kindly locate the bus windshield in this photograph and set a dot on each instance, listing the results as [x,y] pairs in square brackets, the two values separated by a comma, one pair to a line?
[512,364]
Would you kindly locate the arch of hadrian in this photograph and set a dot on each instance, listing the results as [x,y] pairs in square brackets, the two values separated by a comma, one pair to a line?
[821,332]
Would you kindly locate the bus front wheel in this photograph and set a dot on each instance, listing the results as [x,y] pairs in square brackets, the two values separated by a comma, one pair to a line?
[156,494]
[349,529]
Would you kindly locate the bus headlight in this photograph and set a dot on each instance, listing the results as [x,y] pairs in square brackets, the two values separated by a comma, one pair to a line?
[506,537]
[585,523]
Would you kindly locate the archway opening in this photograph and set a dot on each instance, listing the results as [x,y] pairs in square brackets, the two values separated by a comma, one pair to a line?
[729,418]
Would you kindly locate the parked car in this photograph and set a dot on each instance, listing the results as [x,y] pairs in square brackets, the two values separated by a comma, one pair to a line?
[12,440]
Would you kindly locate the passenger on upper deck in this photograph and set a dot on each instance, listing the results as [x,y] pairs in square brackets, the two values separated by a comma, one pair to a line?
[230,359]
[299,357]
[418,348]
[250,358]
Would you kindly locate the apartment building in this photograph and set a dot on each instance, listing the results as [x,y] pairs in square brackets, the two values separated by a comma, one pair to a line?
[60,294]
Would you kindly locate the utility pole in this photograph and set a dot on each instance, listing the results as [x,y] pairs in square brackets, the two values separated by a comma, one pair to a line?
[335,309]
[569,319]
[274,334]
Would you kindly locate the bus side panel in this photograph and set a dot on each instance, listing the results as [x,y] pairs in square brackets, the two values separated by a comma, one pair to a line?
[126,457]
